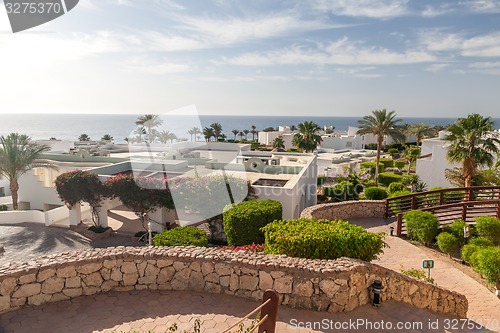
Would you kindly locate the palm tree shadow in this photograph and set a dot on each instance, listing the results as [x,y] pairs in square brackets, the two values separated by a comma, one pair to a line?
[41,239]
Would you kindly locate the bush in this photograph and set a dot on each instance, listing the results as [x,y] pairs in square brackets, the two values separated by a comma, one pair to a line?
[181,236]
[343,191]
[416,273]
[321,180]
[397,205]
[421,226]
[4,208]
[457,230]
[408,179]
[469,250]
[387,162]
[396,187]
[242,222]
[447,242]
[392,151]
[375,193]
[488,227]
[371,166]
[322,239]
[487,262]
[399,164]
[386,178]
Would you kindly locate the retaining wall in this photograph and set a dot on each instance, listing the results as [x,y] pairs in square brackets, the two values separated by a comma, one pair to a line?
[346,210]
[322,285]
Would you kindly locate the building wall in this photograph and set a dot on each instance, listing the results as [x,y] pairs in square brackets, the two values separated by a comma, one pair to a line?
[431,169]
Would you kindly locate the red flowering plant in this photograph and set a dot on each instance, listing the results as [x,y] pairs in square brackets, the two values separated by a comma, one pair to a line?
[81,186]
[140,194]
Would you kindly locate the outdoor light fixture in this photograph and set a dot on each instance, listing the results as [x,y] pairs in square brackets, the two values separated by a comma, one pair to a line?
[376,288]
[391,228]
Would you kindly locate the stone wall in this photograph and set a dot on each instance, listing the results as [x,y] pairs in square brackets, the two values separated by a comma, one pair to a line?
[346,210]
[322,285]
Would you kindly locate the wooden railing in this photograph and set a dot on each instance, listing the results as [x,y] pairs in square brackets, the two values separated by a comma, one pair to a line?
[266,320]
[448,204]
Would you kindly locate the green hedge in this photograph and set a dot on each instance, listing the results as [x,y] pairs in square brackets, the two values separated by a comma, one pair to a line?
[371,166]
[386,178]
[387,162]
[488,227]
[181,236]
[396,187]
[457,230]
[322,239]
[343,191]
[4,208]
[487,262]
[242,222]
[408,179]
[399,164]
[447,242]
[375,193]
[421,226]
[469,250]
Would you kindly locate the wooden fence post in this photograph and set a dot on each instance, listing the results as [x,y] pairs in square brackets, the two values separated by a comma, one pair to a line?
[399,225]
[271,310]
[498,210]
[464,211]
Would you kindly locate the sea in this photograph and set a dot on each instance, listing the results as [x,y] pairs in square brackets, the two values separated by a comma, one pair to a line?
[120,126]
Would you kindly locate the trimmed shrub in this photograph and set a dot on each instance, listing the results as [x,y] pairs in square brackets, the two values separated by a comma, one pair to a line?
[4,208]
[399,164]
[469,250]
[321,180]
[421,226]
[375,193]
[408,179]
[399,193]
[488,227]
[387,162]
[396,187]
[487,262]
[371,166]
[392,151]
[242,222]
[343,191]
[181,236]
[447,242]
[386,178]
[457,230]
[322,239]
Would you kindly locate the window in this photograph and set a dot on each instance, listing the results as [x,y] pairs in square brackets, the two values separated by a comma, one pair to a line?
[348,144]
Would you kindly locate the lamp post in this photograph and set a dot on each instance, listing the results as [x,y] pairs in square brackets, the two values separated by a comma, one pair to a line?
[391,228]
[376,288]
[150,238]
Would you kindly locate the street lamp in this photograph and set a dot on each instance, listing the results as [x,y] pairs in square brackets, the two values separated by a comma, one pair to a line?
[376,288]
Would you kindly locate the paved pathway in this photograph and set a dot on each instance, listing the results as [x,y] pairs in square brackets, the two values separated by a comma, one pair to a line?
[483,304]
[157,310]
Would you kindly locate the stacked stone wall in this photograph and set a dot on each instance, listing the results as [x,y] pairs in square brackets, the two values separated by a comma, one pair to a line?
[346,210]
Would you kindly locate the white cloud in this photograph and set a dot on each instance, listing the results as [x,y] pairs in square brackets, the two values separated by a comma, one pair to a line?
[433,11]
[487,45]
[366,8]
[482,6]
[341,52]
[146,65]
[360,72]
[491,68]
[434,68]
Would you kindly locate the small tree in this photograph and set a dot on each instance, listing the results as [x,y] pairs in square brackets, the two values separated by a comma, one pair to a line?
[84,137]
[76,186]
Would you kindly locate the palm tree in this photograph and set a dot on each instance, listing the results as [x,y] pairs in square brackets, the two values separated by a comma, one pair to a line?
[235,132]
[217,130]
[421,131]
[171,136]
[246,133]
[293,128]
[278,143]
[107,137]
[149,121]
[307,138]
[241,135]
[208,133]
[17,156]
[253,131]
[472,144]
[164,136]
[139,132]
[194,131]
[381,123]
[84,137]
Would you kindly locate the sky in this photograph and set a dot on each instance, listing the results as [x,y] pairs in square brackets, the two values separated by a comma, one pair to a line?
[257,57]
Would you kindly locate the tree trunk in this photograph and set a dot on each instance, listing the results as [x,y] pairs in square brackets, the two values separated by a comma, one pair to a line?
[14,187]
[380,139]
